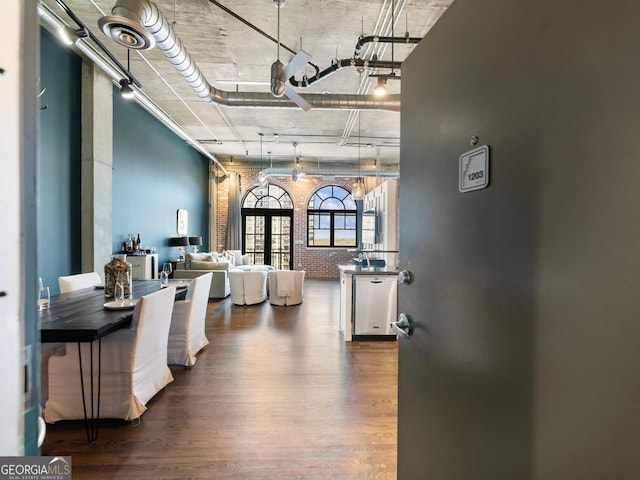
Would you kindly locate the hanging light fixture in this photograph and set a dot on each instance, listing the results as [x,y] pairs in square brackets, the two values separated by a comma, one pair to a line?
[295,173]
[381,87]
[262,178]
[358,188]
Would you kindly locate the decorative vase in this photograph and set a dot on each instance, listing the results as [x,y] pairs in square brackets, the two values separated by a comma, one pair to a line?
[118,270]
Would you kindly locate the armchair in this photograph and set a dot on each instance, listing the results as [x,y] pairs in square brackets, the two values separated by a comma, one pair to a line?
[286,287]
[248,287]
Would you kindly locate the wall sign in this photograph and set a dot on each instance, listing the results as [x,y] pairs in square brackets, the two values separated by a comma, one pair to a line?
[183,222]
[474,169]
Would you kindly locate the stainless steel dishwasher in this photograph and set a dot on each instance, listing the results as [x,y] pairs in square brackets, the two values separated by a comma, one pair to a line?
[375,306]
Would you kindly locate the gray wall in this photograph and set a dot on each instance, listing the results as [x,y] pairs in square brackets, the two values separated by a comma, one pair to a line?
[553,88]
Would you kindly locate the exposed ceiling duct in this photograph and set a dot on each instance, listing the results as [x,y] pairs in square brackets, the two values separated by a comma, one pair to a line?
[139,24]
[330,172]
[101,57]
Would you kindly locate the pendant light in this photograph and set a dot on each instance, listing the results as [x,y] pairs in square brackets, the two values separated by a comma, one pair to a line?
[358,188]
[295,173]
[262,178]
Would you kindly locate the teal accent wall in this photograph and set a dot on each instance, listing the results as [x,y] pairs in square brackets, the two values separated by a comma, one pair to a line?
[58,178]
[155,173]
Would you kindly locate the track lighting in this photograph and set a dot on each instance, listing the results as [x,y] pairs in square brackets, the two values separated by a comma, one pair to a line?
[68,35]
[126,90]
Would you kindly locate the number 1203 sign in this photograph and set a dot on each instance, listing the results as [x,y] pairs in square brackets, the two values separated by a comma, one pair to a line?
[474,169]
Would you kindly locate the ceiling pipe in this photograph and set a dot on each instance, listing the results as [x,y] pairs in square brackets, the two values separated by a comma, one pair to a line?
[330,172]
[139,24]
[337,65]
[356,61]
[377,39]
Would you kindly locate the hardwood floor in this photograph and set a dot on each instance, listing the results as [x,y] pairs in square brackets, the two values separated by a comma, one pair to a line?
[276,395]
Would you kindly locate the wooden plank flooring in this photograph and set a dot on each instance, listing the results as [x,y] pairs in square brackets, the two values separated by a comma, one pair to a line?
[277,395]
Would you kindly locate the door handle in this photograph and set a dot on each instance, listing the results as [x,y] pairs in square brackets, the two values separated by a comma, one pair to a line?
[403,326]
[405,277]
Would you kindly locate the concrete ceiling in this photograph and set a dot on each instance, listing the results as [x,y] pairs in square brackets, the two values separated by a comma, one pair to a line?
[235,57]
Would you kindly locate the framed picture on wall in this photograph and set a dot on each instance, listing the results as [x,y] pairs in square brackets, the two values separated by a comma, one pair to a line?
[183,222]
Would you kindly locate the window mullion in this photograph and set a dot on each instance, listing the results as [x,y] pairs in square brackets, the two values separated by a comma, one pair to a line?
[332,230]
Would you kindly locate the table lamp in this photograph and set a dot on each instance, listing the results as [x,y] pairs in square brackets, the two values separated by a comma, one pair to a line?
[179,242]
[195,241]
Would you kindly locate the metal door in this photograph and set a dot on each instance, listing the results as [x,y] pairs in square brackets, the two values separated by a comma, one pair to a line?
[465,375]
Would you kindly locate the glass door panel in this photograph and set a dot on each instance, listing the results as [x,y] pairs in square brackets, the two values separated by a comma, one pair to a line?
[268,237]
[254,237]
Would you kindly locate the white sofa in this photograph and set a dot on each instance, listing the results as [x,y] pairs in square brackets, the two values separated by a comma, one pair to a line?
[218,264]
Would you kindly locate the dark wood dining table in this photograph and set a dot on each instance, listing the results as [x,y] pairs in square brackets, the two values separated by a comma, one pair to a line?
[81,316]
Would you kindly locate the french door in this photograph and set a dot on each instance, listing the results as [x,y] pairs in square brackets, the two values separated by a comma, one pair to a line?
[268,237]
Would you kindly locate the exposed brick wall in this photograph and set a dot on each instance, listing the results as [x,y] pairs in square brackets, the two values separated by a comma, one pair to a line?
[317,263]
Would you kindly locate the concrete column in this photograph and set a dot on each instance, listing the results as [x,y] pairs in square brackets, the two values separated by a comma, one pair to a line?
[97,164]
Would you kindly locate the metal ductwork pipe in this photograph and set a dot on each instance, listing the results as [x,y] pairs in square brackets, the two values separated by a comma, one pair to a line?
[139,24]
[331,172]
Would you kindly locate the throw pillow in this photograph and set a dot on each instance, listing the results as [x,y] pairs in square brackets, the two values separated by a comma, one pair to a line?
[229,256]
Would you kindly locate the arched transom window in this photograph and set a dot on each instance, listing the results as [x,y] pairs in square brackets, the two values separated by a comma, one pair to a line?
[270,196]
[331,218]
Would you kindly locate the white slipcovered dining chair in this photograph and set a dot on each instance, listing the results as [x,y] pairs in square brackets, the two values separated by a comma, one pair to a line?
[71,283]
[286,287]
[187,333]
[248,287]
[133,367]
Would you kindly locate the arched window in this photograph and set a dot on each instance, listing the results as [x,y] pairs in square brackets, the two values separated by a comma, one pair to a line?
[267,226]
[271,196]
[331,218]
